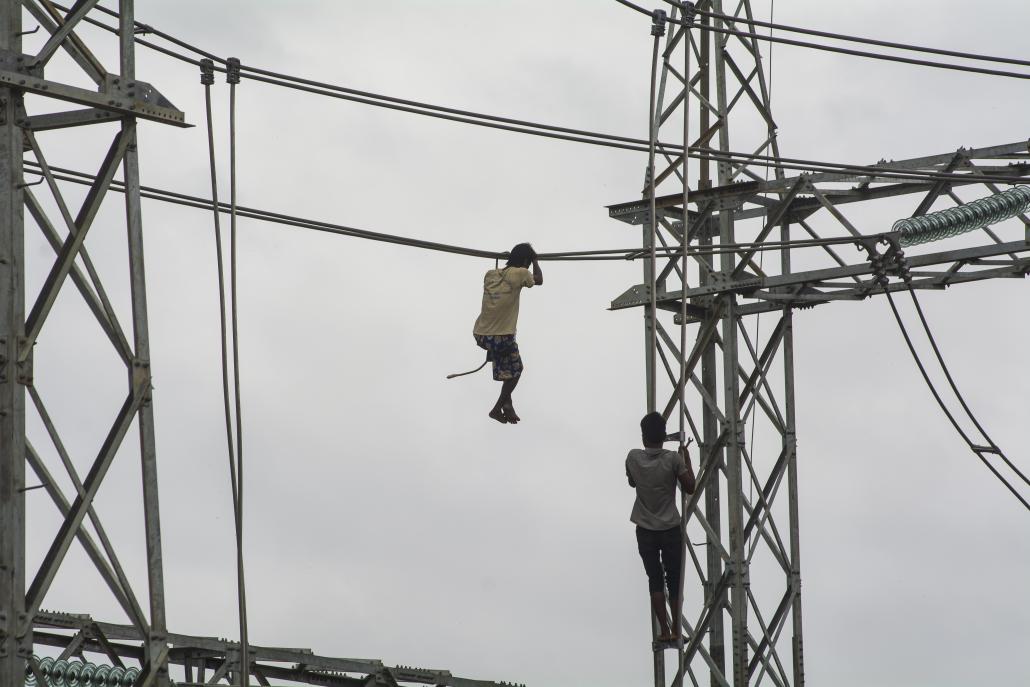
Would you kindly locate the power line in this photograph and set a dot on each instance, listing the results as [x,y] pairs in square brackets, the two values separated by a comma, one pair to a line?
[235,453]
[859,39]
[940,402]
[529,127]
[623,254]
[992,446]
[843,51]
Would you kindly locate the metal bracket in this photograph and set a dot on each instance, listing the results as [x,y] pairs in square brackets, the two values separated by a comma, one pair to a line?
[24,367]
[137,90]
[133,98]
[725,284]
[20,62]
[635,296]
[141,379]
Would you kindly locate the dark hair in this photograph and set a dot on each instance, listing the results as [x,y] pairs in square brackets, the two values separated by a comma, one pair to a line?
[521,255]
[652,427]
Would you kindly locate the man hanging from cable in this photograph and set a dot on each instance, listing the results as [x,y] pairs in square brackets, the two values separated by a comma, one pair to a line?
[495,328]
[654,472]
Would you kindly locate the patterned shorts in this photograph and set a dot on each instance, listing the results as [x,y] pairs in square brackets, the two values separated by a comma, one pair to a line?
[503,352]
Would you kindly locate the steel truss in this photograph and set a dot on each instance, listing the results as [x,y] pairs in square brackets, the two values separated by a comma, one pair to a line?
[732,387]
[120,99]
[209,660]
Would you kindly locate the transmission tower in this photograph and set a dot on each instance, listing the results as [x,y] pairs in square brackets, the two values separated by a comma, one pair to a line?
[728,376]
[89,652]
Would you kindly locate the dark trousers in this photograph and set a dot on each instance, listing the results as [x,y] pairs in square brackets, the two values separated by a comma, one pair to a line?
[662,553]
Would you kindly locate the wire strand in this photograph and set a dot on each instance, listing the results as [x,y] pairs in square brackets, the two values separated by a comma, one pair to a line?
[234,293]
[235,453]
[866,41]
[844,51]
[958,394]
[943,406]
[527,127]
[626,254]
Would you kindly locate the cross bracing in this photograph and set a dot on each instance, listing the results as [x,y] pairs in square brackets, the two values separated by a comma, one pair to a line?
[154,656]
[734,379]
[725,279]
[213,660]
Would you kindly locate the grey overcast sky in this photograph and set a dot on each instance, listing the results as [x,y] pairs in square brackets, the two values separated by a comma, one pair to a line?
[386,516]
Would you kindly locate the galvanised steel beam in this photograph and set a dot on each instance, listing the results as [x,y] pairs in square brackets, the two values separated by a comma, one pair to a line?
[119,96]
[203,658]
[139,373]
[737,193]
[956,266]
[15,641]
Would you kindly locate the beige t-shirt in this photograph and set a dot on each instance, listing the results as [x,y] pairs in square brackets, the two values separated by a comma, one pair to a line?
[501,290]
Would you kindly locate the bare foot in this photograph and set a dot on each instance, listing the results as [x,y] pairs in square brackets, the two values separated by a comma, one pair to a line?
[498,415]
[510,416]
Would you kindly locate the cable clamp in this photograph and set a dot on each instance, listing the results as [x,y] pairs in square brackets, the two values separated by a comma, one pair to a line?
[689,12]
[658,19]
[895,260]
[232,70]
[207,72]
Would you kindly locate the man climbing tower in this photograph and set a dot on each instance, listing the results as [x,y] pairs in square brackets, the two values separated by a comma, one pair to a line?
[495,328]
[654,473]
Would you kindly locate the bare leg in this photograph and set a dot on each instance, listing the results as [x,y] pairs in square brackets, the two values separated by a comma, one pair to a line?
[503,406]
[658,607]
[676,606]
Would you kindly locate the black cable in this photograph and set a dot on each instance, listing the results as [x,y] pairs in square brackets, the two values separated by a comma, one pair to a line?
[235,454]
[845,51]
[859,39]
[630,5]
[537,129]
[954,387]
[612,141]
[233,77]
[153,193]
[940,401]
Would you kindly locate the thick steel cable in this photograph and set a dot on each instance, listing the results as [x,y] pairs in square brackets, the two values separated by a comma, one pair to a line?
[234,452]
[943,406]
[849,51]
[233,78]
[601,139]
[954,387]
[146,28]
[528,127]
[223,317]
[626,254]
[860,39]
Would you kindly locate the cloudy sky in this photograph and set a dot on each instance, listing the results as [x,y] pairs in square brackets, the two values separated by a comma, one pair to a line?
[387,517]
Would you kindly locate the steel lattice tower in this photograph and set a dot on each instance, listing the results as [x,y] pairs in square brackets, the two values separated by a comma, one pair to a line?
[734,380]
[743,614]
[141,651]
[121,99]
